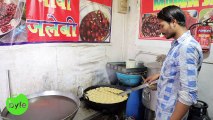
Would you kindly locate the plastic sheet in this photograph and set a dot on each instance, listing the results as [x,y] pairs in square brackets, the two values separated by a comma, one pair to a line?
[12,27]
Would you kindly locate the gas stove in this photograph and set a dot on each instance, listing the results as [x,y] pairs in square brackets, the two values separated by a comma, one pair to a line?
[102,116]
[86,113]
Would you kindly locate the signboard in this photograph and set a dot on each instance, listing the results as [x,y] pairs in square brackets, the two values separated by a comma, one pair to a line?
[79,21]
[52,20]
[195,11]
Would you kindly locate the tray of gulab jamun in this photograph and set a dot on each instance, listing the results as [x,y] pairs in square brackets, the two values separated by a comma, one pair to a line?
[94,23]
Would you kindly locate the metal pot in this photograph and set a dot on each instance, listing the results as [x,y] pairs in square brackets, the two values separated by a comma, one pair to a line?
[149,96]
[108,108]
[48,105]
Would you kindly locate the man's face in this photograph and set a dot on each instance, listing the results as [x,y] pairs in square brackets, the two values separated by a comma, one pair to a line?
[166,29]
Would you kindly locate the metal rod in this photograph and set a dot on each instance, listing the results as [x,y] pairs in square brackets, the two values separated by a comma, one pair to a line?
[207,62]
[0,114]
[149,53]
[143,78]
[9,89]
[4,118]
[9,83]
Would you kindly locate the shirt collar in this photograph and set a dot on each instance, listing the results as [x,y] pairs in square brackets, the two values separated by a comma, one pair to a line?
[175,42]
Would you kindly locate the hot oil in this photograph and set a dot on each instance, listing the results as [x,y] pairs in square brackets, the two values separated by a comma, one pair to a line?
[47,108]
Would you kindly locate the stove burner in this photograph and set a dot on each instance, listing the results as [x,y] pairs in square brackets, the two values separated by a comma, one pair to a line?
[104,116]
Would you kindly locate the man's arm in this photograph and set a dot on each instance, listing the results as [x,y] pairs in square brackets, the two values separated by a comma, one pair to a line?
[180,110]
[187,94]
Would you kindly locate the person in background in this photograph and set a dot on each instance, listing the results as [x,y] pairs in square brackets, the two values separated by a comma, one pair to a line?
[177,81]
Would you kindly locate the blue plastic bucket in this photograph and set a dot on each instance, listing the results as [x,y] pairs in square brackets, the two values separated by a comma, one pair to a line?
[128,79]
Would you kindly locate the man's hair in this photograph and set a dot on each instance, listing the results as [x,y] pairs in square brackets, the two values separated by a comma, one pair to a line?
[172,12]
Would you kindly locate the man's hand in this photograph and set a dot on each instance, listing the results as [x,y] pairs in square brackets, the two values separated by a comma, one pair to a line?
[152,78]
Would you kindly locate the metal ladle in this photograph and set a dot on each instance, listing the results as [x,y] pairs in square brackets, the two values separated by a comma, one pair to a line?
[136,88]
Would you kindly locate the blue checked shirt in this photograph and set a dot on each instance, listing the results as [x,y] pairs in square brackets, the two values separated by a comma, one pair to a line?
[178,79]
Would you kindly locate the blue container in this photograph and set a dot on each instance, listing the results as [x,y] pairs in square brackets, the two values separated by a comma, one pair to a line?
[134,105]
[128,79]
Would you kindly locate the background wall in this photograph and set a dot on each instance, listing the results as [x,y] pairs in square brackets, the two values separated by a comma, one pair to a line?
[143,50]
[64,67]
[39,67]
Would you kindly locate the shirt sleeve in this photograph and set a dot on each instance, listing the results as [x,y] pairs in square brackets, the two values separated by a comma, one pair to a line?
[188,65]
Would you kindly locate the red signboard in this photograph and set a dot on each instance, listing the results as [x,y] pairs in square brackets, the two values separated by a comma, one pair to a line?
[68,20]
[104,2]
[52,20]
[195,11]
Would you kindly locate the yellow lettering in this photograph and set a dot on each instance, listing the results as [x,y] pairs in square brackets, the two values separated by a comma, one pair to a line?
[52,4]
[169,2]
[183,3]
[207,2]
[158,4]
[45,2]
[177,3]
[74,31]
[37,28]
[193,3]
[68,5]
[61,3]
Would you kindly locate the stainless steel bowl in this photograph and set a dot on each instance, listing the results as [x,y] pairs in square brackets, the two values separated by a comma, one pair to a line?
[48,105]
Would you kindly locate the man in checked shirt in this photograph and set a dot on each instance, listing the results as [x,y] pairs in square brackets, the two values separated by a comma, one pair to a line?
[177,81]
